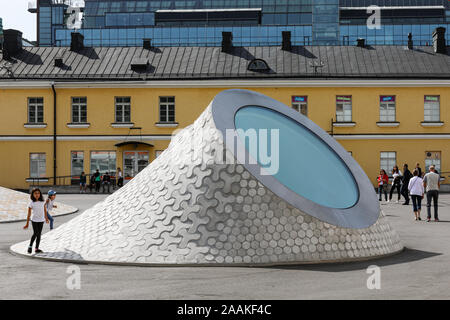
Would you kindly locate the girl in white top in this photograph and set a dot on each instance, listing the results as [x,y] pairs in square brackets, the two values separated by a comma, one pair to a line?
[38,209]
[396,183]
[416,191]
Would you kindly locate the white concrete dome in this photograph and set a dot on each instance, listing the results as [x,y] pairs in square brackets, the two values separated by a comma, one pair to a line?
[187,208]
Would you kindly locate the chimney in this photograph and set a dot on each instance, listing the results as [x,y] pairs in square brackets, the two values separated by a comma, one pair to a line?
[227,41]
[439,40]
[12,43]
[77,42]
[59,61]
[361,42]
[410,41]
[287,44]
[147,43]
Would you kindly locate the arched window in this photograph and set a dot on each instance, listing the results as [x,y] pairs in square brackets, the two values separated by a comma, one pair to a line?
[258,65]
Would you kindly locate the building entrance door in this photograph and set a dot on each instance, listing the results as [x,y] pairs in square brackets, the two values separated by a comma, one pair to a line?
[133,163]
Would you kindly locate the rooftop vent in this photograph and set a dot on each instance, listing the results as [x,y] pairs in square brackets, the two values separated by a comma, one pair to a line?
[147,44]
[361,42]
[410,41]
[258,65]
[12,43]
[287,44]
[439,40]
[59,62]
[77,42]
[227,41]
[139,64]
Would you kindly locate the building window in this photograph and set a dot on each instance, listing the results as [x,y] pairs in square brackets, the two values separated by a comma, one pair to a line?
[432,109]
[433,158]
[345,41]
[388,160]
[123,109]
[77,163]
[104,161]
[307,40]
[300,104]
[79,109]
[344,108]
[166,109]
[37,165]
[35,110]
[387,108]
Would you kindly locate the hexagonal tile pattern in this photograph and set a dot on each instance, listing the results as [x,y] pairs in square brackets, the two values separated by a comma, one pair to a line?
[187,208]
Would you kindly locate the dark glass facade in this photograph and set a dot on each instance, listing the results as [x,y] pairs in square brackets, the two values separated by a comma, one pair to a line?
[253,22]
[50,18]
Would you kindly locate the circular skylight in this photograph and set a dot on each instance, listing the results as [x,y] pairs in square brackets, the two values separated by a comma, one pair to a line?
[304,163]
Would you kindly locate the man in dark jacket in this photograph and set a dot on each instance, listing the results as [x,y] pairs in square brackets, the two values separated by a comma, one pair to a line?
[407,175]
[106,182]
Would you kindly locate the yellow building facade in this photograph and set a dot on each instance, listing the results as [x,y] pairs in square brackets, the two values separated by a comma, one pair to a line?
[353,111]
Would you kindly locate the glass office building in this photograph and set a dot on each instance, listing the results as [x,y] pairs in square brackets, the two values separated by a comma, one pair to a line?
[1,33]
[252,22]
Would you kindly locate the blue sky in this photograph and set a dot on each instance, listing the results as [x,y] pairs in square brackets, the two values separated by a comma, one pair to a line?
[15,15]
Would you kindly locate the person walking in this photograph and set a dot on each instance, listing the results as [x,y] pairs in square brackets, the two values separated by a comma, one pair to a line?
[106,182]
[383,181]
[38,214]
[407,175]
[419,169]
[416,191]
[49,205]
[432,183]
[83,183]
[396,183]
[120,178]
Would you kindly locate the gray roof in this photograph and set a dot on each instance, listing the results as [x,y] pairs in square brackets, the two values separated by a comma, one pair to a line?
[114,63]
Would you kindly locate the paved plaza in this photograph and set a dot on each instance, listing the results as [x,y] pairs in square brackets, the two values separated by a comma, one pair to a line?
[14,206]
[422,271]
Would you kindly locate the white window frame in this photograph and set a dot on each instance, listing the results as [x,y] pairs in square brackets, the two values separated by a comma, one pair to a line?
[388,110]
[79,104]
[388,159]
[164,109]
[346,115]
[111,166]
[432,109]
[38,108]
[120,108]
[41,165]
[71,161]
[301,106]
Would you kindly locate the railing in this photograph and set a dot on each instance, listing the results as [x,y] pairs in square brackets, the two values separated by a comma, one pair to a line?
[445,175]
[67,181]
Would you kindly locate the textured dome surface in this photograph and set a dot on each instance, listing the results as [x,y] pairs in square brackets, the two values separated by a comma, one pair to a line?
[185,208]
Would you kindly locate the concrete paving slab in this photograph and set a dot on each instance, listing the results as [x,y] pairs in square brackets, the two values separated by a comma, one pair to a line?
[422,271]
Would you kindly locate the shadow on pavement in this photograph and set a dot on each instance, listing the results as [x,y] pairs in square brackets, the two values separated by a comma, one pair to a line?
[407,255]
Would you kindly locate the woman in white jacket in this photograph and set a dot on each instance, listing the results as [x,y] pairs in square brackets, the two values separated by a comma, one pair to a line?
[416,191]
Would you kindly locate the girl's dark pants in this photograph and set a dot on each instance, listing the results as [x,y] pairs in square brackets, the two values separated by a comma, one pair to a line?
[37,230]
[395,186]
